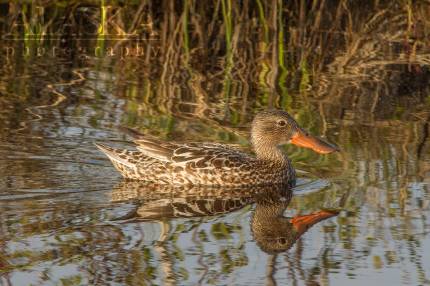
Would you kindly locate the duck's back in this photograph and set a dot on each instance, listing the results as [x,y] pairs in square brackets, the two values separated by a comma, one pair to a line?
[196,164]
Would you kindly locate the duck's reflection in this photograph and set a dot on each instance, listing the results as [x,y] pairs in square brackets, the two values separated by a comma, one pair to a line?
[159,202]
[272,231]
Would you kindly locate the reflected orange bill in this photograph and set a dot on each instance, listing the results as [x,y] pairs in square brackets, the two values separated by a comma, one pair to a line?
[302,223]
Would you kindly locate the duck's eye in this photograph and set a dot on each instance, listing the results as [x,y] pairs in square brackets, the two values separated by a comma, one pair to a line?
[282,123]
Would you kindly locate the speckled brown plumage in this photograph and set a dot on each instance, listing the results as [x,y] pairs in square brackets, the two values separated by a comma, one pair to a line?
[217,164]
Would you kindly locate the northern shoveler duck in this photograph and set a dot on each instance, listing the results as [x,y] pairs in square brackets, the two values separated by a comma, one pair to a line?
[218,164]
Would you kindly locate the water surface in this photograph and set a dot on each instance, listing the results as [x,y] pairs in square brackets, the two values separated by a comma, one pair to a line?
[73,74]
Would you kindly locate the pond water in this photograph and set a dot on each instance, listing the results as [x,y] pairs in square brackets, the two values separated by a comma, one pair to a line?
[72,74]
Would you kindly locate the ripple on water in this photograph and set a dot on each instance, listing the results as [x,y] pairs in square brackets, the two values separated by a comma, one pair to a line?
[308,183]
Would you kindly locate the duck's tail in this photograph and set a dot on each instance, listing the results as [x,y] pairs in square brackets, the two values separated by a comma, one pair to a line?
[123,160]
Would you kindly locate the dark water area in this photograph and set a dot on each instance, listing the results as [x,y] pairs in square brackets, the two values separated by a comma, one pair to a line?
[76,72]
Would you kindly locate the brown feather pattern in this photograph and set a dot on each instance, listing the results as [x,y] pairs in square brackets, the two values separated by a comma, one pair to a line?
[196,164]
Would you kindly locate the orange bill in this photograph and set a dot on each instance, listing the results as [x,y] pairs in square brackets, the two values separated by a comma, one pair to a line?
[302,223]
[308,141]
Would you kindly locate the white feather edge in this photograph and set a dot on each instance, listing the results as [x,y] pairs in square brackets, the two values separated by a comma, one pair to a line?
[113,156]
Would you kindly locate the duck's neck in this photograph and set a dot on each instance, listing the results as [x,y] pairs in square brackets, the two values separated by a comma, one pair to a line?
[269,152]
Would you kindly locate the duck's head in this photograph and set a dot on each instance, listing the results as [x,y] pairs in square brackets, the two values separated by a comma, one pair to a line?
[272,128]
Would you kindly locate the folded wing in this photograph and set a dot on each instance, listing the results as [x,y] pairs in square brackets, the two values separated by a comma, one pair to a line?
[193,155]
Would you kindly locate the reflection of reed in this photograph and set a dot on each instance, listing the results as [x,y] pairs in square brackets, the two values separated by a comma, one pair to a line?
[271,270]
[287,36]
[165,259]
